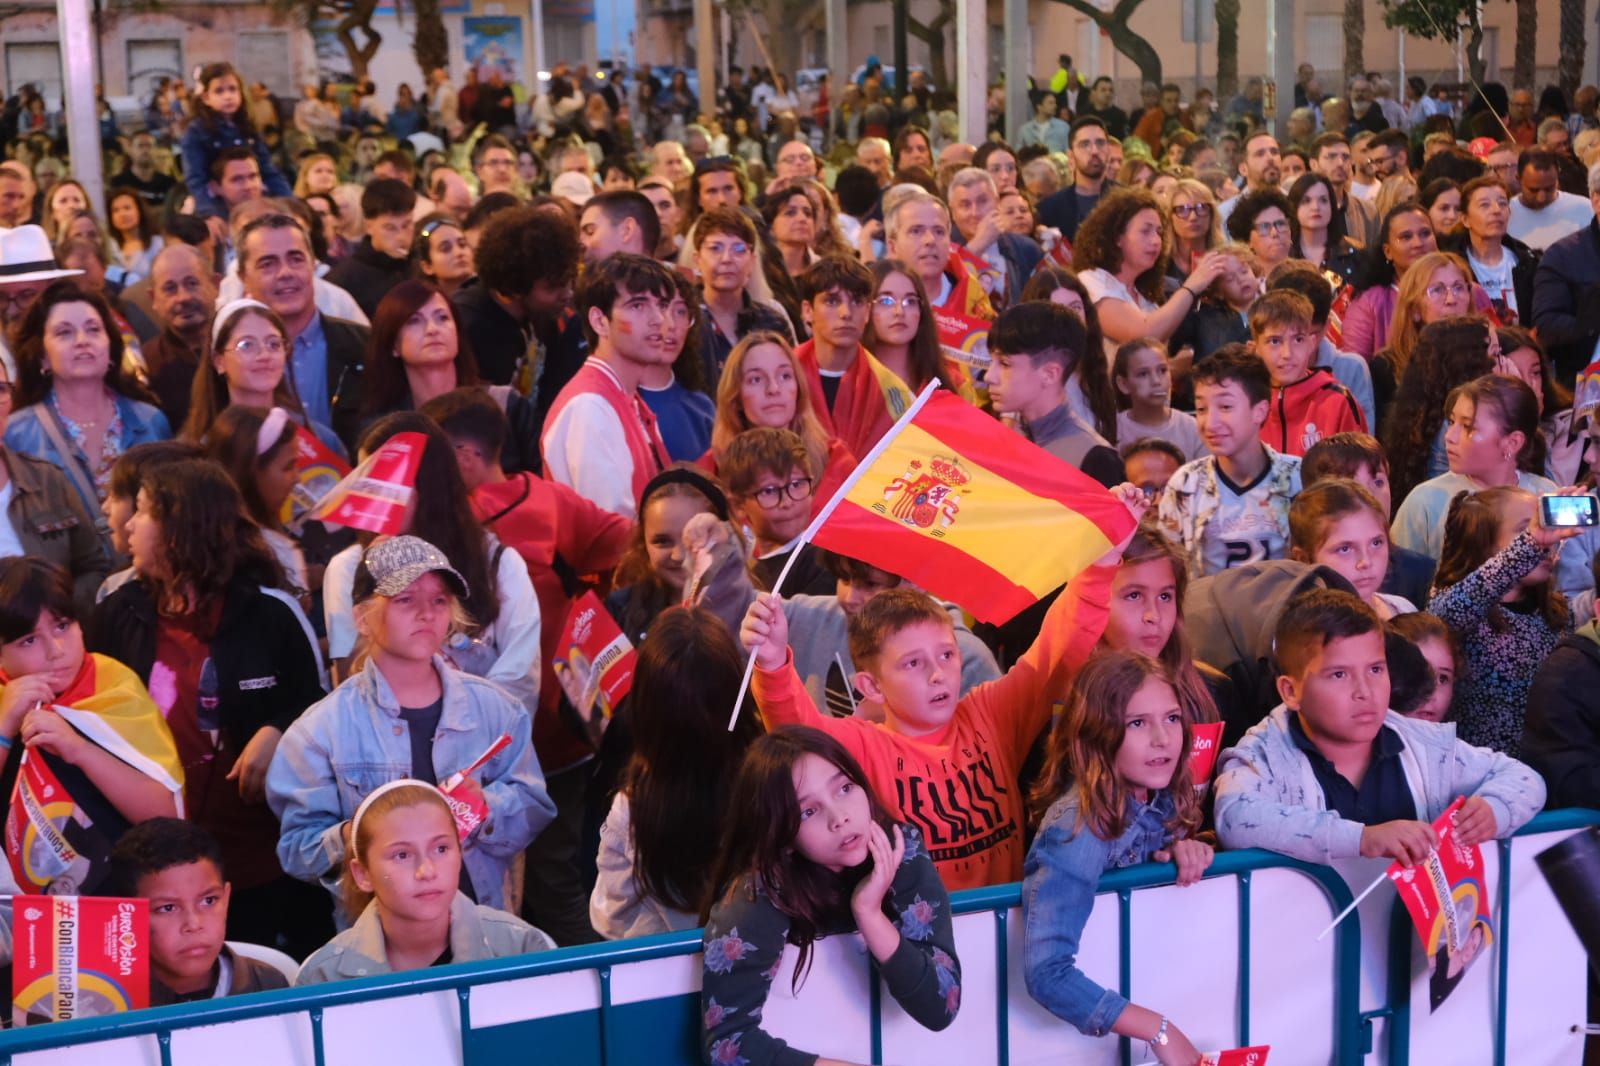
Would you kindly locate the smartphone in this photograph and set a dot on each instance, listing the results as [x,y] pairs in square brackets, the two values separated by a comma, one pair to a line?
[1568,511]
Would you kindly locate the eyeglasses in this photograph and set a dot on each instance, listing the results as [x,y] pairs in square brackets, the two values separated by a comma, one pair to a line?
[1267,229]
[249,347]
[769,496]
[1438,292]
[1191,210]
[909,302]
[716,250]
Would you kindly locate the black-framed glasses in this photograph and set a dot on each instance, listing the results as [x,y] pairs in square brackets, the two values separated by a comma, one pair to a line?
[1191,210]
[770,496]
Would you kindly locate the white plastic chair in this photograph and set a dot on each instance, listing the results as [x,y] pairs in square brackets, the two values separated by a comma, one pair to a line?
[271,956]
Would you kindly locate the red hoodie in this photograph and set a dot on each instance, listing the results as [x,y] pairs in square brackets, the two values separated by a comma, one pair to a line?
[1312,408]
[540,520]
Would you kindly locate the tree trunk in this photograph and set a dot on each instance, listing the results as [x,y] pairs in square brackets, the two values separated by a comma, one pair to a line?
[359,18]
[1527,27]
[431,45]
[1570,69]
[1124,40]
[1475,50]
[1355,39]
[1227,12]
[931,33]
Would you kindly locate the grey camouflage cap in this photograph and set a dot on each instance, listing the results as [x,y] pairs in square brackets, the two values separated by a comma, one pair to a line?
[398,561]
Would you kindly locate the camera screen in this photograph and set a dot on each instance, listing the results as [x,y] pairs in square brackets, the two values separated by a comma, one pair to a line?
[1570,510]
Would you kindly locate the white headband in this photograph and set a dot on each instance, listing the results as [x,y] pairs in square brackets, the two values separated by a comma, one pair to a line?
[387,786]
[227,310]
[271,429]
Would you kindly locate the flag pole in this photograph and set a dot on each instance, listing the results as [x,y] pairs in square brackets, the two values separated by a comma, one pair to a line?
[823,515]
[1370,889]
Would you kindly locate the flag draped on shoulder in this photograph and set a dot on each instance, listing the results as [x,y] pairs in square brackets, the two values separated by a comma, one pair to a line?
[972,512]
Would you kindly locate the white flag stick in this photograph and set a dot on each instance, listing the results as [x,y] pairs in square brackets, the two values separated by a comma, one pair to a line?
[824,514]
[1353,905]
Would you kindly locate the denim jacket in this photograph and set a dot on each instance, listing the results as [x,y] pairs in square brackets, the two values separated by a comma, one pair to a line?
[141,422]
[354,740]
[1059,880]
[201,145]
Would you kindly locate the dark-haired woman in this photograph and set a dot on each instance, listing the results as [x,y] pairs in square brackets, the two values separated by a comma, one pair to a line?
[74,407]
[1320,237]
[660,839]
[231,661]
[418,351]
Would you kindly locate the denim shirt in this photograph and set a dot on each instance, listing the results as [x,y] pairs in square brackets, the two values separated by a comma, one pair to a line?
[1059,880]
[354,740]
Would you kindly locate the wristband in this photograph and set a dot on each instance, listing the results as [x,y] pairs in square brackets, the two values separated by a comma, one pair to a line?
[5,743]
[1194,297]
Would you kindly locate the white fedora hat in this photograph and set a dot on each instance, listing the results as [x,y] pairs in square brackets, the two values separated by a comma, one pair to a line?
[25,255]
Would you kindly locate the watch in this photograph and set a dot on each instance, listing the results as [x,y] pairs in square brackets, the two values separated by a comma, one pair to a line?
[1161,1038]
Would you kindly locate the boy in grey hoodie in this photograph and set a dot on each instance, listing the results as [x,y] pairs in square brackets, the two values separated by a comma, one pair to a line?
[819,637]
[1333,773]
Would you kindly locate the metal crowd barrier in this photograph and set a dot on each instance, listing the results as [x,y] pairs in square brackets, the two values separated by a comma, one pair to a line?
[638,1001]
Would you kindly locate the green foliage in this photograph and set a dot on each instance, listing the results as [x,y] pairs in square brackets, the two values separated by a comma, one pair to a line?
[1435,20]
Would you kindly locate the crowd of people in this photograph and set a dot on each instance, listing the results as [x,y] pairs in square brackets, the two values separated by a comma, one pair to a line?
[1331,377]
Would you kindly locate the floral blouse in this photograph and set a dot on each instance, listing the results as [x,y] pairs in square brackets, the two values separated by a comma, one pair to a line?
[744,942]
[110,445]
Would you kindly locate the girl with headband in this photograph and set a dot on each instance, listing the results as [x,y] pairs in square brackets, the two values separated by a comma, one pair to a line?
[257,449]
[401,879]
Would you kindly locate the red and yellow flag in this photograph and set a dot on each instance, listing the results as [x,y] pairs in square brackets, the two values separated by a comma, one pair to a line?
[375,495]
[957,503]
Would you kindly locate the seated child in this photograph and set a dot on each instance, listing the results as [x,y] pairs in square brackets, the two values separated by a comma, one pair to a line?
[1231,507]
[1144,381]
[402,880]
[1337,523]
[1035,347]
[1438,646]
[1359,457]
[821,642]
[1332,773]
[89,719]
[406,712]
[177,866]
[936,748]
[770,484]
[1307,402]
[1150,462]
[1115,791]
[810,851]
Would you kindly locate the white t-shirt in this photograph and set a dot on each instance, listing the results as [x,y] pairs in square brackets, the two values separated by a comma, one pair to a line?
[1105,286]
[1245,527]
[1496,280]
[1544,227]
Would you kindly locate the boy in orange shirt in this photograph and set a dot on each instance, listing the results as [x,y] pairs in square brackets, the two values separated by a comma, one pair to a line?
[947,765]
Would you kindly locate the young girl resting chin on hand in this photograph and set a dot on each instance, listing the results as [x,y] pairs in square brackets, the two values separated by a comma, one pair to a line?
[401,878]
[809,852]
[1115,791]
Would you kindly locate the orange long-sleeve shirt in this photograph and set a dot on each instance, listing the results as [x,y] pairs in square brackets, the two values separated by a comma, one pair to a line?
[959,786]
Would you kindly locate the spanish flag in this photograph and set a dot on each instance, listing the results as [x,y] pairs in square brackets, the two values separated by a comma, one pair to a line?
[953,501]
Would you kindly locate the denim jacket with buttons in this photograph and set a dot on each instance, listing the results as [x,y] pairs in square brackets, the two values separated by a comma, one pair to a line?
[354,740]
[1059,880]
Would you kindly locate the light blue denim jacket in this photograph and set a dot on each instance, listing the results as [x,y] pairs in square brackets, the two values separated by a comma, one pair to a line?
[1059,879]
[354,740]
[141,423]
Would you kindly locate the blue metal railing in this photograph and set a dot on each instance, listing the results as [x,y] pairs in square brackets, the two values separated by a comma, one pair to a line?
[1348,1022]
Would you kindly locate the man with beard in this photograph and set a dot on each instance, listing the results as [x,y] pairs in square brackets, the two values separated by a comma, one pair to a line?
[1090,148]
[1102,105]
[326,356]
[1330,157]
[183,291]
[141,175]
[1262,168]
[600,439]
[1365,114]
